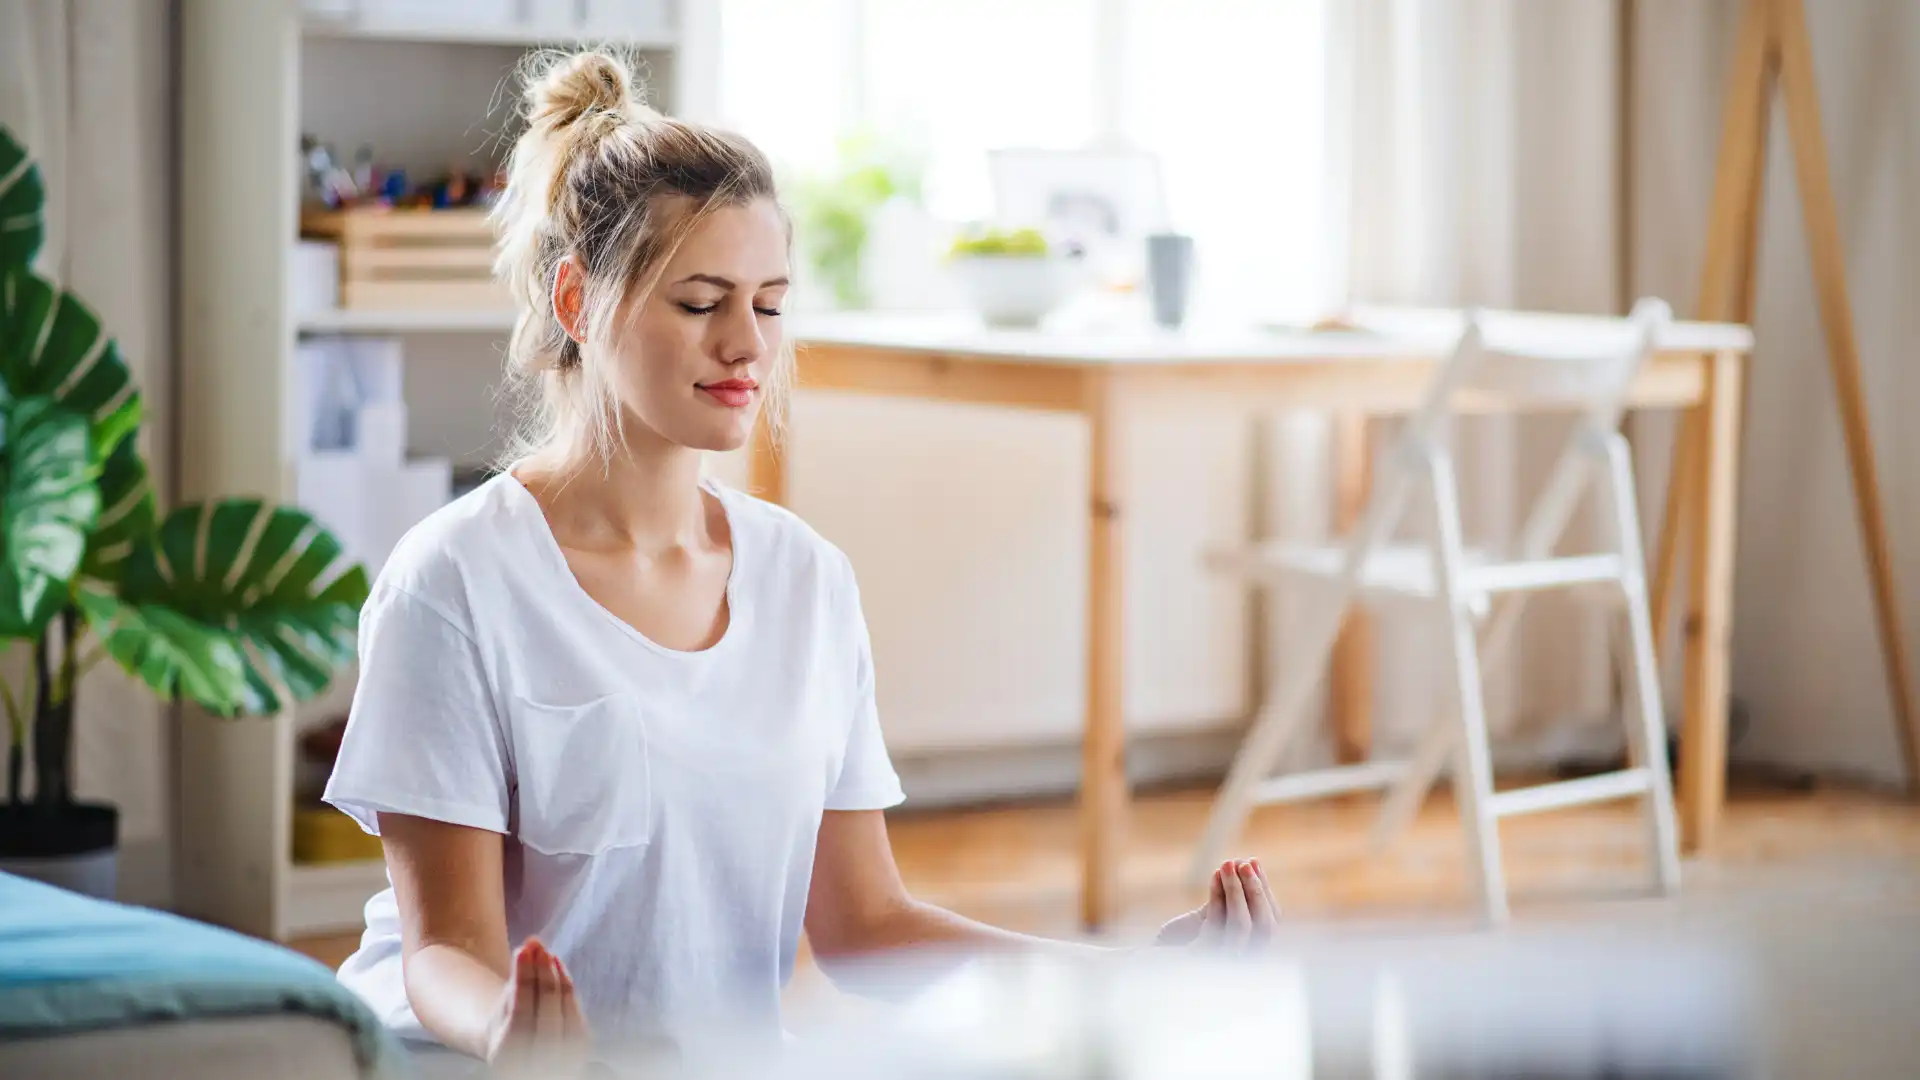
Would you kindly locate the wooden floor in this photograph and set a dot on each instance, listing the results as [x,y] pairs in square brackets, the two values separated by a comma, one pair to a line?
[1018,866]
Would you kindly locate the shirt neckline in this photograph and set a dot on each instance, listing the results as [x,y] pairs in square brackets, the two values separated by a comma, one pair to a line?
[557,559]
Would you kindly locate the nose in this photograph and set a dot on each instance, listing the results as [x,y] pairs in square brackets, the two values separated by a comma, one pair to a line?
[739,341]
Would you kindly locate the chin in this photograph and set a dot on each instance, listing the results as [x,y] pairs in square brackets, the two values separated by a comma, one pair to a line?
[719,438]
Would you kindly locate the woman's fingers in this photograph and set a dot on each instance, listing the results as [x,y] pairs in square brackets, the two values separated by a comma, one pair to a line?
[1239,918]
[1273,901]
[1213,924]
[1240,905]
[576,1024]
[526,987]
[1259,903]
[550,1025]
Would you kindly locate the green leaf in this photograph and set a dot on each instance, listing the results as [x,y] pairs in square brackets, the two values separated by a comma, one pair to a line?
[127,512]
[52,345]
[275,582]
[48,503]
[172,654]
[23,204]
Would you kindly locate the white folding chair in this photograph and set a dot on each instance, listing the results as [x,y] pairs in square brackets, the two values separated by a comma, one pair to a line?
[1510,362]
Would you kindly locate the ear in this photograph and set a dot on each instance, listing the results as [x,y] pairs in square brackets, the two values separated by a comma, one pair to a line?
[569,299]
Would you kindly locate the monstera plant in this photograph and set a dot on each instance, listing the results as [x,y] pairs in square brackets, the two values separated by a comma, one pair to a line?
[235,604]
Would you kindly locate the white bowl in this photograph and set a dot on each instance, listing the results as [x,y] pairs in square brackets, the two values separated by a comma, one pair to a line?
[1013,290]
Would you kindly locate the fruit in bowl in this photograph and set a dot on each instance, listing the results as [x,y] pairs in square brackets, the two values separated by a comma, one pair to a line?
[1027,242]
[1012,276]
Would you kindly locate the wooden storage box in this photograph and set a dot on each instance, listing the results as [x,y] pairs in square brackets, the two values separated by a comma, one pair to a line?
[411,259]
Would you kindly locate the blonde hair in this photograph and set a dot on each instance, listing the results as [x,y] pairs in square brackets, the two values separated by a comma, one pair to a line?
[602,178]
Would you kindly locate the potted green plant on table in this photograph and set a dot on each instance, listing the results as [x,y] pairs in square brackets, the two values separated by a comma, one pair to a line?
[235,604]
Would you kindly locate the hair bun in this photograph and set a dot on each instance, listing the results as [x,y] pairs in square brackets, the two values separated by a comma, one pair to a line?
[578,83]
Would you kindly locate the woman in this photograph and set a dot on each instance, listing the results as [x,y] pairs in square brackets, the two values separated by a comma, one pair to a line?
[608,708]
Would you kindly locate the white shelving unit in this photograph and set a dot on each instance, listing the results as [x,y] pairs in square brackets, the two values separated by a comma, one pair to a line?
[415,79]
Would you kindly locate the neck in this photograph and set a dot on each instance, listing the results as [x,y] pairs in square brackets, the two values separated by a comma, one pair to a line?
[647,497]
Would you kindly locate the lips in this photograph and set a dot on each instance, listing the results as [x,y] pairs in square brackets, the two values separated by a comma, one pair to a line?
[733,393]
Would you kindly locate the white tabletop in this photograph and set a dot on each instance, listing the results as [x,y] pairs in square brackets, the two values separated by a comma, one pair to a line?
[1383,333]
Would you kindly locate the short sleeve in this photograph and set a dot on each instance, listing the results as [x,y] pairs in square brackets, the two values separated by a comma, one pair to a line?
[423,737]
[867,779]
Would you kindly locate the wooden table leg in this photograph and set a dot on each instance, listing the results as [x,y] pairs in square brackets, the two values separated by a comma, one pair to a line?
[1352,682]
[766,466]
[1709,623]
[1674,524]
[1103,782]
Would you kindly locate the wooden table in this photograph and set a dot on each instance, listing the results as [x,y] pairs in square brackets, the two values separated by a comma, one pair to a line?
[1378,370]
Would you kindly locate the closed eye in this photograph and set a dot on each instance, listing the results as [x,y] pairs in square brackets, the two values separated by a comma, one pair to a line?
[708,309]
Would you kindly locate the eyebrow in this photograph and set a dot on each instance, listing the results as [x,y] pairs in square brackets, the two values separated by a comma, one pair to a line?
[724,283]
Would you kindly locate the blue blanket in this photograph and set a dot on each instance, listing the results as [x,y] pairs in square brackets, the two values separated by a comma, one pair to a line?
[73,963]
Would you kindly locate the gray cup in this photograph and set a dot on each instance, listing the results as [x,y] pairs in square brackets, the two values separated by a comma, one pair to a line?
[1169,276]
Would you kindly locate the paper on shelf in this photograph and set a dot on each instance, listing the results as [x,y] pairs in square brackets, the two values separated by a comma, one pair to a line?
[378,369]
[382,429]
[328,485]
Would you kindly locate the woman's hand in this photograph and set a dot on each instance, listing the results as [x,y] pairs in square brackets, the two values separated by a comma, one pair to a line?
[537,1025]
[1240,910]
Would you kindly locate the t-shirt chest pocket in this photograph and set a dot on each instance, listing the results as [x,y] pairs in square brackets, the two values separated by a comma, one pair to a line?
[583,775]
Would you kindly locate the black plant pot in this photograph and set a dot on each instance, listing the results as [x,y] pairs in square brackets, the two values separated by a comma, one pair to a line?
[75,846]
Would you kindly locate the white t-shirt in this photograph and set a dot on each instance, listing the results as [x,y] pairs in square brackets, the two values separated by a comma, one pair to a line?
[661,806]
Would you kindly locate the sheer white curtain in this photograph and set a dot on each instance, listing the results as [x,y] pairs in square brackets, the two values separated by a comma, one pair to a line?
[84,83]
[1474,151]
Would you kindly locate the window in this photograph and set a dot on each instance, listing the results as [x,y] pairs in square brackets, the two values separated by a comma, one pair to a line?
[975,76]
[1228,93]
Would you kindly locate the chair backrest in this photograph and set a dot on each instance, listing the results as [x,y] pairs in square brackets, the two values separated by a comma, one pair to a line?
[1531,362]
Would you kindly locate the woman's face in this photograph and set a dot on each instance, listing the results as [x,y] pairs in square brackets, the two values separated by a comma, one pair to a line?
[693,362]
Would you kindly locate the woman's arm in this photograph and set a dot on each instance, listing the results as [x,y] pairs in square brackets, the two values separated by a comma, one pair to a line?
[858,905]
[465,983]
[447,882]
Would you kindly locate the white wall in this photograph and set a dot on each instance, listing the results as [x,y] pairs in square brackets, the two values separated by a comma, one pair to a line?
[1806,657]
